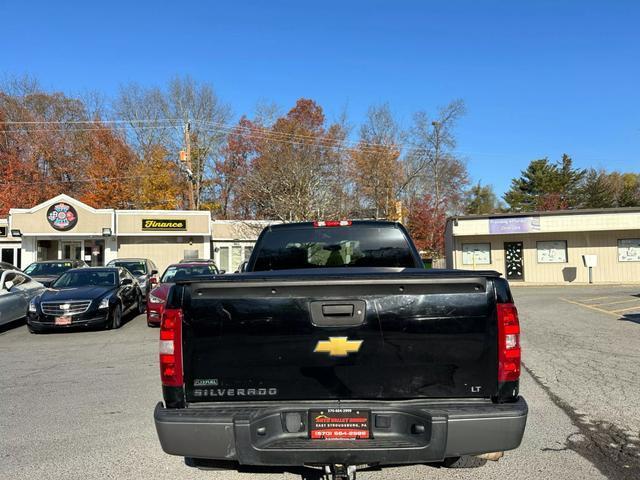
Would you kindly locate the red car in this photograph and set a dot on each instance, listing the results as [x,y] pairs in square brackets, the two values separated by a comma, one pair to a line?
[176,272]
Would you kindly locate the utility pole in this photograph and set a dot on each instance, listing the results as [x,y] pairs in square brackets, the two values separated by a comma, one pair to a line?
[190,178]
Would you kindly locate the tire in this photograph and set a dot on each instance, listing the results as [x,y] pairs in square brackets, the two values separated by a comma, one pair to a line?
[141,306]
[33,330]
[115,319]
[465,461]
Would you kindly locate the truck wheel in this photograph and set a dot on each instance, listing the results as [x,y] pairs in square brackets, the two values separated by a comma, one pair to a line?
[465,461]
[115,319]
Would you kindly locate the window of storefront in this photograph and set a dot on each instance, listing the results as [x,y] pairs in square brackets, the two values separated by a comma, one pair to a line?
[3,231]
[47,250]
[229,255]
[554,251]
[629,250]
[476,253]
[88,250]
[190,254]
[224,258]
[236,258]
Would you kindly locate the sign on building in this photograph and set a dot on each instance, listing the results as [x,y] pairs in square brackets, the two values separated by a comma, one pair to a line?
[163,224]
[514,225]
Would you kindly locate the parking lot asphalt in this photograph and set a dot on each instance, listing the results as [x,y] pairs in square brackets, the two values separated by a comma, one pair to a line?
[79,405]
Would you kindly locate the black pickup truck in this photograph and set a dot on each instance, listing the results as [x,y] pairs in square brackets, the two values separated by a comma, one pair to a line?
[336,349]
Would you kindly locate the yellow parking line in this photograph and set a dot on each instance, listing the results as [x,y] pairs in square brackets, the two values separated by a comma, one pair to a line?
[637,307]
[590,307]
[597,298]
[615,303]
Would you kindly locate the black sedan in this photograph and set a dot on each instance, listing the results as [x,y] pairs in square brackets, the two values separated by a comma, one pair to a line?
[48,271]
[94,296]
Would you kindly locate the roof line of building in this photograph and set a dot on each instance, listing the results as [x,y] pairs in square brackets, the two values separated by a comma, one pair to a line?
[548,213]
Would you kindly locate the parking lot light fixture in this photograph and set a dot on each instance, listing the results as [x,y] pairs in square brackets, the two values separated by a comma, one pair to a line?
[106,232]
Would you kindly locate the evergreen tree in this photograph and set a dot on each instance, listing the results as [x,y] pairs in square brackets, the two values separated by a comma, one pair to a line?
[546,186]
[597,190]
[481,200]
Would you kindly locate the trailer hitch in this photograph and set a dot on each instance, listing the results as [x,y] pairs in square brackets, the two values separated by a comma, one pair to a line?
[340,471]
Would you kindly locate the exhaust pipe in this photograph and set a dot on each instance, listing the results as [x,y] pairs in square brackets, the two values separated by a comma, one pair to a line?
[493,456]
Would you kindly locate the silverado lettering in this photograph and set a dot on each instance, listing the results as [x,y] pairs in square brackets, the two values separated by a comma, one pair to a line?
[235,392]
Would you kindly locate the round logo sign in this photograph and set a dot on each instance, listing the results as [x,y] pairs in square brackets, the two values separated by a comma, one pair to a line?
[62,216]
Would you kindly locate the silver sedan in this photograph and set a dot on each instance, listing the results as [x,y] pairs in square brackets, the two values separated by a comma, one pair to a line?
[16,291]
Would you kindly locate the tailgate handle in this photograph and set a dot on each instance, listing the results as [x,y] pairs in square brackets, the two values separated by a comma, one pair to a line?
[337,310]
[337,313]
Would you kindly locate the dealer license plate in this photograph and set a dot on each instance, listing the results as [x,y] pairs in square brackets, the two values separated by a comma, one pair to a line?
[339,424]
[66,320]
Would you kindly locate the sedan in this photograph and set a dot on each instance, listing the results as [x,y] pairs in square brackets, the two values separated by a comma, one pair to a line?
[143,269]
[93,296]
[16,291]
[47,271]
[174,273]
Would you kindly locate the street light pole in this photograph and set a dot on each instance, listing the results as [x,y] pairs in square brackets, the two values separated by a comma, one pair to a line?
[187,140]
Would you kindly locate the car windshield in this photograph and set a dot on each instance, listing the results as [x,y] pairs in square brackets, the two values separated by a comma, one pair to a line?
[49,268]
[85,278]
[176,273]
[136,267]
[354,246]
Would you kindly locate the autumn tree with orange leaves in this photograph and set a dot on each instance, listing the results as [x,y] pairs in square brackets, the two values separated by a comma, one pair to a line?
[111,170]
[298,170]
[233,167]
[374,165]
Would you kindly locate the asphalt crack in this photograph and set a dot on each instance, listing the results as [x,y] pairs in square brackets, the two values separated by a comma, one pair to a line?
[611,450]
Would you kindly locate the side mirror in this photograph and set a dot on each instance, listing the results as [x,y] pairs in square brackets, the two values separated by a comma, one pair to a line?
[222,272]
[153,281]
[154,272]
[7,285]
[126,281]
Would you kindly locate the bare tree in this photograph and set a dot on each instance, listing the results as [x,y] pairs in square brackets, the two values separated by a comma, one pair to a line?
[432,166]
[158,118]
[144,109]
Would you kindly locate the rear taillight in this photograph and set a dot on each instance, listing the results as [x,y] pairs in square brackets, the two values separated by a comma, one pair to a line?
[332,223]
[171,347]
[508,343]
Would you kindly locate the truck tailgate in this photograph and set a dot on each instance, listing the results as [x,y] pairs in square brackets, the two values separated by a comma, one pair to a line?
[288,338]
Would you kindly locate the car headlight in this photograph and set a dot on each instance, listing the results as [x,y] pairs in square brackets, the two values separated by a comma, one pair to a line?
[154,299]
[104,303]
[32,306]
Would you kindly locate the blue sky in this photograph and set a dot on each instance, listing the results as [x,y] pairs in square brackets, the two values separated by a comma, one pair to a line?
[539,78]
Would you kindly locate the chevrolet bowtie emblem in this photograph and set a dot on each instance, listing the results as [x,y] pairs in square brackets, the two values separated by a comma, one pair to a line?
[338,346]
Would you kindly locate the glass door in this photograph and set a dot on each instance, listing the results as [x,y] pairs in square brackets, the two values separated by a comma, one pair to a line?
[94,252]
[514,261]
[72,250]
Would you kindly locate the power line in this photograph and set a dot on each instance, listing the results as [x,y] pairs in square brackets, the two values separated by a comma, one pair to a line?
[72,122]
[84,180]
[261,133]
[92,129]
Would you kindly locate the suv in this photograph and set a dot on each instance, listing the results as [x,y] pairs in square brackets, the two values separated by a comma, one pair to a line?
[143,269]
